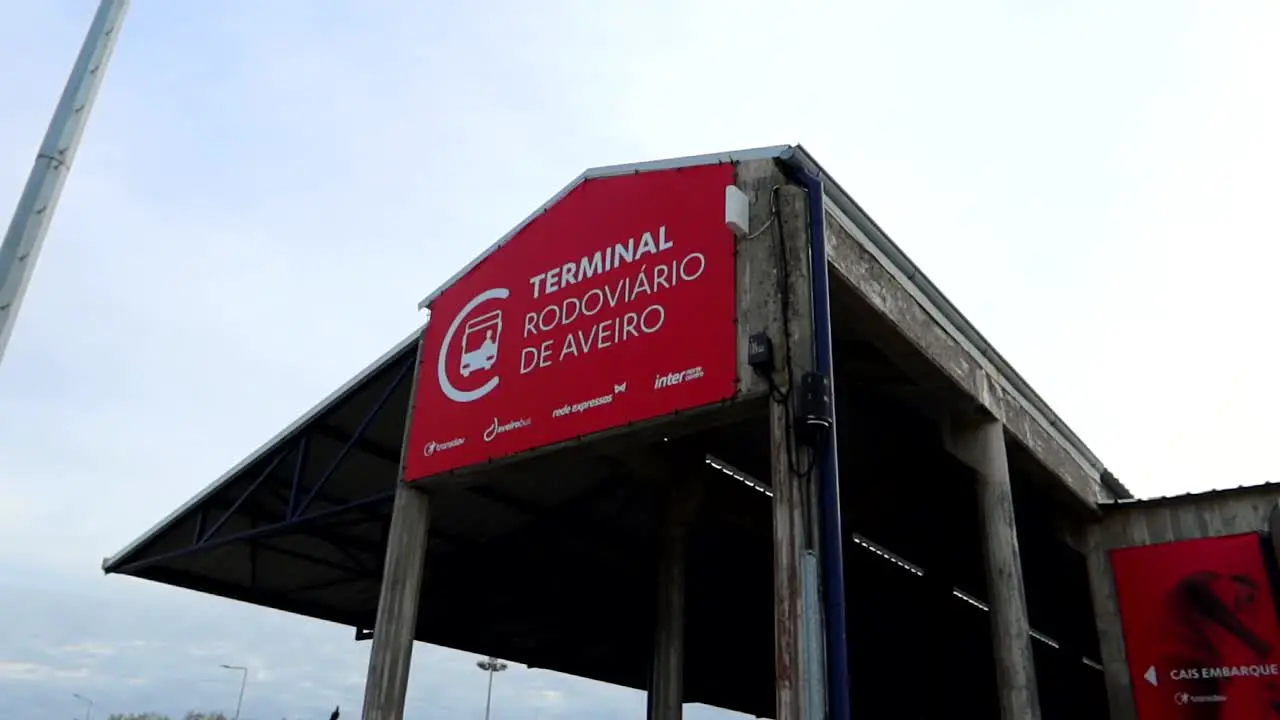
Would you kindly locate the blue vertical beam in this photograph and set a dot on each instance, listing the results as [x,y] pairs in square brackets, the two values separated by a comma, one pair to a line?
[31,218]
[831,530]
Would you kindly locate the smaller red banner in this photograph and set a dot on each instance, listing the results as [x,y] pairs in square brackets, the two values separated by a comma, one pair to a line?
[1200,629]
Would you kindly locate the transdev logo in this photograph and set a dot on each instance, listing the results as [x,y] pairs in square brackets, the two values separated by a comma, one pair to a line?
[479,343]
[1183,698]
[434,447]
[676,378]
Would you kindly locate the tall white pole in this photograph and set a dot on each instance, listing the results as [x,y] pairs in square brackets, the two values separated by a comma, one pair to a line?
[30,223]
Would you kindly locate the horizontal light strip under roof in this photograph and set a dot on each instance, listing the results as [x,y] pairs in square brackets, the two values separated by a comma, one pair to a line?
[883,552]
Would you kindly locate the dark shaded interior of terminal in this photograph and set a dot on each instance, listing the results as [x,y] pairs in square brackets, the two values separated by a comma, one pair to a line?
[550,561]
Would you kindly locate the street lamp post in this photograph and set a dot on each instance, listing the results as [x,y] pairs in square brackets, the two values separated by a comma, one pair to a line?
[490,665]
[244,678]
[88,704]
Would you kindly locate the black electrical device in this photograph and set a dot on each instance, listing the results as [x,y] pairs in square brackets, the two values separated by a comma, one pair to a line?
[813,409]
[760,353]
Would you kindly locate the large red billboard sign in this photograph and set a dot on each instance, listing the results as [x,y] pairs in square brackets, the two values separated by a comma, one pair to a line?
[1200,629]
[615,305]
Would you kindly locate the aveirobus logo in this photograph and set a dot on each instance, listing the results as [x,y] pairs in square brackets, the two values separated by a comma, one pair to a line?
[434,447]
[497,428]
[480,337]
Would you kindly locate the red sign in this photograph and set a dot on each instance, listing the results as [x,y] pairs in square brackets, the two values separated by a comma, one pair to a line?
[615,305]
[1200,629]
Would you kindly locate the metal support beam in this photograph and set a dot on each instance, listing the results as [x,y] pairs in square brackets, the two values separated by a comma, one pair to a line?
[268,531]
[357,572]
[360,552]
[299,471]
[255,596]
[254,549]
[400,376]
[266,473]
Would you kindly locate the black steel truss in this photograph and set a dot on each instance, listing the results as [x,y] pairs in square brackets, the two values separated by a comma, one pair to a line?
[301,515]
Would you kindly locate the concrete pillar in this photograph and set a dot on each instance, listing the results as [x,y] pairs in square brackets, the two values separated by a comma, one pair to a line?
[788,535]
[1106,613]
[979,442]
[666,686]
[397,620]
[798,680]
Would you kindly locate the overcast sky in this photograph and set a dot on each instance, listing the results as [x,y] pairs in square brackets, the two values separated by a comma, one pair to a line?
[266,189]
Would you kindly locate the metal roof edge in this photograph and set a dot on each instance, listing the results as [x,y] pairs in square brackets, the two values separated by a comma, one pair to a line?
[1269,487]
[318,409]
[801,157]
[798,155]
[791,153]
[735,156]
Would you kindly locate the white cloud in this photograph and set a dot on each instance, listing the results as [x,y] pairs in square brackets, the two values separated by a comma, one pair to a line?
[550,697]
[29,671]
[85,648]
[12,670]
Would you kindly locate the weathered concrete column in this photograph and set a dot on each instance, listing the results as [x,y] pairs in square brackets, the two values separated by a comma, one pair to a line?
[791,328]
[788,534]
[1106,614]
[666,686]
[397,620]
[979,442]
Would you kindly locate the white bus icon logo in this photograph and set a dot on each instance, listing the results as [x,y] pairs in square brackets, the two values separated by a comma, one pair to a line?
[479,346]
[480,343]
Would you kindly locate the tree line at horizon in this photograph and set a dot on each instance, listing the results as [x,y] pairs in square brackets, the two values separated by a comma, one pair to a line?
[193,715]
